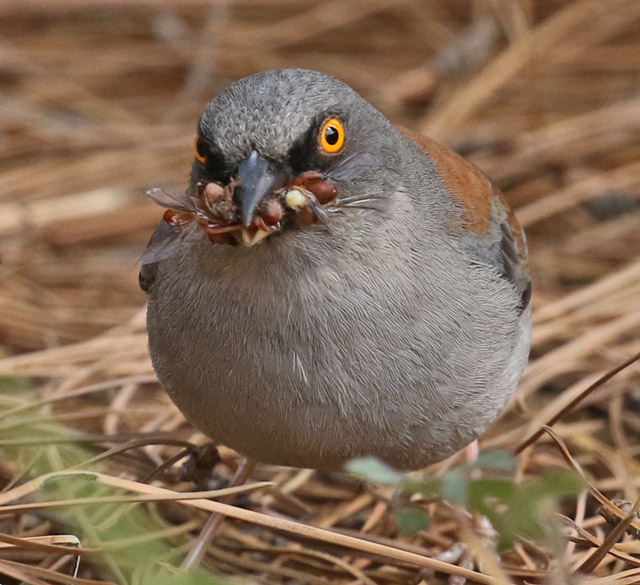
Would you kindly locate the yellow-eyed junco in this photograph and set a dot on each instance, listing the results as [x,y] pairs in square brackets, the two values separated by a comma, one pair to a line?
[331,286]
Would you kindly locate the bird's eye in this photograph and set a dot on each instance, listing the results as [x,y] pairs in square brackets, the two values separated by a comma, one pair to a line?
[199,147]
[332,136]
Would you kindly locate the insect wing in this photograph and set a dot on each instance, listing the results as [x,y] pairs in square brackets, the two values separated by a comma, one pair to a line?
[180,202]
[319,211]
[375,203]
[352,166]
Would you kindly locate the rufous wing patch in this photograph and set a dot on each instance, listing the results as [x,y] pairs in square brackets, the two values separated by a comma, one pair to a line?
[483,205]
[463,179]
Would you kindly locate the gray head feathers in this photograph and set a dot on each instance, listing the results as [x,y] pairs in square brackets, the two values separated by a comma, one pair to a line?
[272,111]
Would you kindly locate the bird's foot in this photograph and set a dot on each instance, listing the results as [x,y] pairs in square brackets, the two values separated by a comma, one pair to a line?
[471,452]
[464,553]
[214,522]
[198,468]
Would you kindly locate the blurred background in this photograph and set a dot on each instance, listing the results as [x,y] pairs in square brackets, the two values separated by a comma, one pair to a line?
[99,101]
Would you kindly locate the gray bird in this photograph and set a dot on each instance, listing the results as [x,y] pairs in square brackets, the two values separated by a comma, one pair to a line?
[331,286]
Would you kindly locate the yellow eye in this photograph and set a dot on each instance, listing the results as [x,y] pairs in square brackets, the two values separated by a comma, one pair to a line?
[201,154]
[332,136]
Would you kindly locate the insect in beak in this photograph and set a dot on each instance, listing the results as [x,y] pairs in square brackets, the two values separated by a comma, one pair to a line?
[256,203]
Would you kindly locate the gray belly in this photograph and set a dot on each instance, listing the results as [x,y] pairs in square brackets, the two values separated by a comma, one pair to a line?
[311,373]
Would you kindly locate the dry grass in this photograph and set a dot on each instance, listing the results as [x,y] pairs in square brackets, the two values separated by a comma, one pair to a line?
[99,101]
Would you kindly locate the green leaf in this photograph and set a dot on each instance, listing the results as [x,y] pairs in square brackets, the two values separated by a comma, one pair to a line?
[410,520]
[53,482]
[193,577]
[455,487]
[532,505]
[486,494]
[561,482]
[429,487]
[513,510]
[374,470]
[498,460]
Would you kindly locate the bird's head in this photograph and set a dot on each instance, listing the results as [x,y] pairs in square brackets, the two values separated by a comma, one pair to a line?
[284,149]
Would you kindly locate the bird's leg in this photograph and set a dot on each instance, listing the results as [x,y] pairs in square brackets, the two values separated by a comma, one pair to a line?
[215,520]
[471,452]
[199,468]
[461,553]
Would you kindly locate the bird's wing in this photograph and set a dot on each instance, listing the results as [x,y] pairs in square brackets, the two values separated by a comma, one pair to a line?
[163,243]
[485,213]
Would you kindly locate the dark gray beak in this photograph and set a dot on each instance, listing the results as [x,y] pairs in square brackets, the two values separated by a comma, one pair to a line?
[257,180]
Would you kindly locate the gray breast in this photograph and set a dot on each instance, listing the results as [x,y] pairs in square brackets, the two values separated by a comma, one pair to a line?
[311,349]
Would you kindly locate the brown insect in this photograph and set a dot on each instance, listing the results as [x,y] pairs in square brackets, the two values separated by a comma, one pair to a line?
[306,199]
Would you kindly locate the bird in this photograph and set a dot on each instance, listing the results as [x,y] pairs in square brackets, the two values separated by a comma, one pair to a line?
[331,286]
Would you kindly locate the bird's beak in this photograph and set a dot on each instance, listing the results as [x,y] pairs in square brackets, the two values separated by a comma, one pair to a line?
[256,180]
